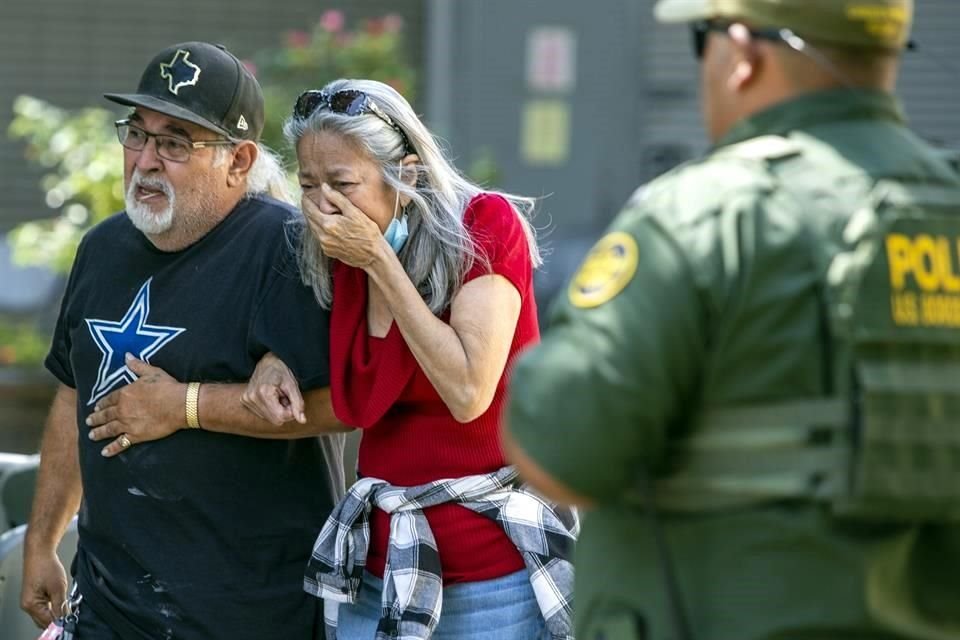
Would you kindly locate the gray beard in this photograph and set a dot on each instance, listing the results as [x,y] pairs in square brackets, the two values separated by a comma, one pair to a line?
[143,217]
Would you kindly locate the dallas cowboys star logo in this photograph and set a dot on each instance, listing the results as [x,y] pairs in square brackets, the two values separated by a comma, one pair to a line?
[131,335]
[179,72]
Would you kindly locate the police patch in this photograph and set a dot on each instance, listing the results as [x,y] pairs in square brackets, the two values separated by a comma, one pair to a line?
[606,271]
[179,72]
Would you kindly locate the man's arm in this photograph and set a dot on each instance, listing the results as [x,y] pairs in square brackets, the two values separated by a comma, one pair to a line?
[537,477]
[591,405]
[56,500]
[154,407]
[221,410]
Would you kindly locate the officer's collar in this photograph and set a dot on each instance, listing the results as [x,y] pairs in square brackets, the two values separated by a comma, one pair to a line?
[816,108]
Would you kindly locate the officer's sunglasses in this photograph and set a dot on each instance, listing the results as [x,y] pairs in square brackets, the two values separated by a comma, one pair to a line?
[349,102]
[700,29]
[172,148]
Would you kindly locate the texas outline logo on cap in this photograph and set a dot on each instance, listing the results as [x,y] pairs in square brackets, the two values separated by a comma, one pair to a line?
[180,72]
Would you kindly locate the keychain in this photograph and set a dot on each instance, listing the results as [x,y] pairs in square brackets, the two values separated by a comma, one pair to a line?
[65,627]
[70,623]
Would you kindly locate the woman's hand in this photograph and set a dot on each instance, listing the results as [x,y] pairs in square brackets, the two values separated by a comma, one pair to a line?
[150,408]
[273,393]
[350,236]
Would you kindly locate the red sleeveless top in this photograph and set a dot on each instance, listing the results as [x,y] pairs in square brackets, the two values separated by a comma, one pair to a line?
[410,437]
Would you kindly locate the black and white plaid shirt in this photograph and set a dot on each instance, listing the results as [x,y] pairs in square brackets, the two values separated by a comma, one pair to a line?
[412,583]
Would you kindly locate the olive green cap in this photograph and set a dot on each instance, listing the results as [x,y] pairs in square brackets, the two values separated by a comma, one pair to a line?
[881,24]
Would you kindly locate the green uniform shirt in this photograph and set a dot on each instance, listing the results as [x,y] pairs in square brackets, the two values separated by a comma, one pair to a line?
[704,294]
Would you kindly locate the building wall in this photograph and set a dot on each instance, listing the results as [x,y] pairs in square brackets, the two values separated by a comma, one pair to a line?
[69,52]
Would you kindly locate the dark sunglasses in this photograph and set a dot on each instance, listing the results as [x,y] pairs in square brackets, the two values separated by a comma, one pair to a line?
[699,31]
[349,102]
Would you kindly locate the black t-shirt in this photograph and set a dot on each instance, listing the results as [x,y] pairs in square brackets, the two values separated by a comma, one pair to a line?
[199,535]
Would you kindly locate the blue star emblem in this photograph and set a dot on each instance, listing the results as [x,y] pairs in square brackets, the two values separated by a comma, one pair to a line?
[131,335]
[179,72]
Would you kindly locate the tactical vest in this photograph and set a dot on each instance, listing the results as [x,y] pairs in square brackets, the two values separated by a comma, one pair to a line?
[889,449]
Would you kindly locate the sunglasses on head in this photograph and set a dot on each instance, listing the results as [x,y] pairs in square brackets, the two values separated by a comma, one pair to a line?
[699,31]
[349,102]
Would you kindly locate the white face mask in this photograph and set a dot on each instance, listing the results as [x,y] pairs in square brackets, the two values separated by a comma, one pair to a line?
[397,231]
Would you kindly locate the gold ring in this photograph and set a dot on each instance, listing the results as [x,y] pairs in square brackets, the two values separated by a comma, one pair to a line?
[124,441]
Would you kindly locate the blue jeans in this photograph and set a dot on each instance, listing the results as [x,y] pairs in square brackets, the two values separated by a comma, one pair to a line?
[499,609]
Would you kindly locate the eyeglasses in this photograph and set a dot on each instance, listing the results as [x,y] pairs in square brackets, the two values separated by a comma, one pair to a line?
[700,29]
[172,148]
[349,102]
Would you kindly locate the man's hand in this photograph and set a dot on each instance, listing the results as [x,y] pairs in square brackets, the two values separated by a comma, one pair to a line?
[273,393]
[44,587]
[56,500]
[148,409]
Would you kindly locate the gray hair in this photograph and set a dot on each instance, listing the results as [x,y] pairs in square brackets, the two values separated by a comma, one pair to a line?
[266,176]
[439,252]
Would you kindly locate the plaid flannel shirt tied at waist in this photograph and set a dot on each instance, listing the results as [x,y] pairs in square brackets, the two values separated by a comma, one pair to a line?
[412,582]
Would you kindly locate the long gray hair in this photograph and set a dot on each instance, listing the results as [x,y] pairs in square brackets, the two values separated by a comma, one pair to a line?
[439,251]
[266,176]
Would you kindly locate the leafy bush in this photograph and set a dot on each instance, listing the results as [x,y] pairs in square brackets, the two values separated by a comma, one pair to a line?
[83,183]
[310,59]
[22,344]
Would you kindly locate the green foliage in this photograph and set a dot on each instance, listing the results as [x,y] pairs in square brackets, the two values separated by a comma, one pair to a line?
[484,170]
[310,59]
[83,183]
[21,344]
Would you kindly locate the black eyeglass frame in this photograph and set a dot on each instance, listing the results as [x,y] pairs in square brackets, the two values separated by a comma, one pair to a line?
[192,145]
[351,102]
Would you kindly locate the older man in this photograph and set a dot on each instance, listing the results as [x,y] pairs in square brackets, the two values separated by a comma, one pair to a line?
[203,533]
[752,378]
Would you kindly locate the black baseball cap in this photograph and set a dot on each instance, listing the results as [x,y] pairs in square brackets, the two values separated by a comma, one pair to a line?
[204,84]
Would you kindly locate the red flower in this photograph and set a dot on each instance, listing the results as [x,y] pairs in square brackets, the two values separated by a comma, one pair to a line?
[375,27]
[297,39]
[392,23]
[332,21]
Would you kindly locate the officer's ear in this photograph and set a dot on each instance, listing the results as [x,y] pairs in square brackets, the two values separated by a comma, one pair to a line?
[745,56]
[242,159]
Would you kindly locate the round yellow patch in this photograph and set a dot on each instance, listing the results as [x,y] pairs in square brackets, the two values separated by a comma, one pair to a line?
[607,270]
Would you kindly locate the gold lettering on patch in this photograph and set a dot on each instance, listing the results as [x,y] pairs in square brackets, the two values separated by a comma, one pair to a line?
[924,276]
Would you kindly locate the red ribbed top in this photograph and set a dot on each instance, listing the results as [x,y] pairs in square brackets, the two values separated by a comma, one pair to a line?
[410,437]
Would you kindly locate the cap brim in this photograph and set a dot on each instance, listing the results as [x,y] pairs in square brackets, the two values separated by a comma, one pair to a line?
[166,108]
[682,10]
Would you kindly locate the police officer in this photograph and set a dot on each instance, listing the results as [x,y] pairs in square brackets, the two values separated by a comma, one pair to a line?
[751,381]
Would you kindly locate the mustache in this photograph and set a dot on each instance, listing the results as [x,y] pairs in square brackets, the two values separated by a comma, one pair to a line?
[152,182]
